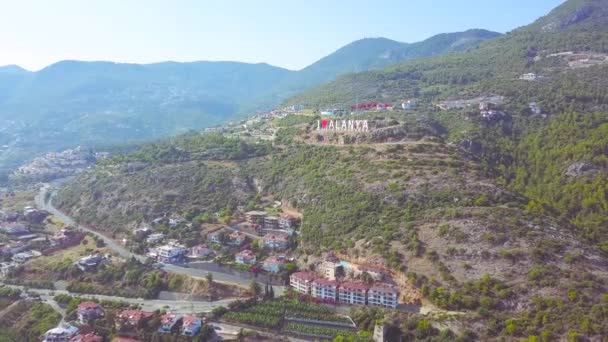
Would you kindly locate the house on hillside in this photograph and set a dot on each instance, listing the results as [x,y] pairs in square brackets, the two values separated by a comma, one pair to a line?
[171,252]
[302,281]
[529,77]
[325,289]
[62,333]
[271,222]
[90,262]
[14,229]
[287,221]
[131,319]
[25,256]
[89,311]
[353,293]
[191,325]
[245,257]
[236,238]
[155,238]
[273,264]
[383,295]
[169,322]
[255,217]
[276,241]
[200,252]
[376,272]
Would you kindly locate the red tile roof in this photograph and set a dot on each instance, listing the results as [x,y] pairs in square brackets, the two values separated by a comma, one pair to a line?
[90,337]
[274,260]
[353,286]
[88,306]
[275,237]
[134,315]
[246,254]
[371,268]
[190,320]
[384,288]
[304,276]
[325,282]
[169,318]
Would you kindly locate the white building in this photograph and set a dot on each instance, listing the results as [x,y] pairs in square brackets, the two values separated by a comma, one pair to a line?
[62,333]
[171,252]
[155,238]
[353,293]
[302,282]
[245,257]
[191,325]
[383,295]
[325,289]
[528,77]
[25,256]
[276,241]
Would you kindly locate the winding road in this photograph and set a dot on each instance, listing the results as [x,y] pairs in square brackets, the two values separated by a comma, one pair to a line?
[44,202]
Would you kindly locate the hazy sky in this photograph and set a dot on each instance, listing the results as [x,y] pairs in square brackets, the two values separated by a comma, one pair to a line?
[287,33]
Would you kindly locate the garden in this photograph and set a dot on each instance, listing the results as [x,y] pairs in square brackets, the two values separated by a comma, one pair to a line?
[291,315]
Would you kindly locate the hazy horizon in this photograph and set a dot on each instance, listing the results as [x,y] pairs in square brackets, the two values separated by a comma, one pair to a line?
[287,35]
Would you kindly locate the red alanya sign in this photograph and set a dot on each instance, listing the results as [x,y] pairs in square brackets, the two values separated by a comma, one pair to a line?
[343,125]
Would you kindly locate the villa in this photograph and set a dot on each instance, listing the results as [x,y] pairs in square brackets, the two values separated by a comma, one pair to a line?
[132,319]
[62,333]
[168,322]
[276,241]
[191,325]
[273,264]
[245,257]
[89,311]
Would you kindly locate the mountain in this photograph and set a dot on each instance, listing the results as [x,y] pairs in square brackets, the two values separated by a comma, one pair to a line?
[374,53]
[72,102]
[498,222]
[14,69]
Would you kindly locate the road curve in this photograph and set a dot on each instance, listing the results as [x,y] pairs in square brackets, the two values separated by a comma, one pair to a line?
[125,253]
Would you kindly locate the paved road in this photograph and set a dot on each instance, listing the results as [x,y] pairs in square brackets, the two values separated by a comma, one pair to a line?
[179,306]
[125,253]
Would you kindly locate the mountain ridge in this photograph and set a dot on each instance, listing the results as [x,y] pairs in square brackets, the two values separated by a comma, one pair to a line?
[72,103]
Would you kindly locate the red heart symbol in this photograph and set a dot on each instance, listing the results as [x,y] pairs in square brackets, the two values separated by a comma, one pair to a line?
[324,123]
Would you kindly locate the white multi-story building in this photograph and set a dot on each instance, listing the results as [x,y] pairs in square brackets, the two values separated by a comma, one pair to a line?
[325,289]
[62,333]
[171,252]
[276,241]
[353,293]
[245,257]
[383,295]
[302,282]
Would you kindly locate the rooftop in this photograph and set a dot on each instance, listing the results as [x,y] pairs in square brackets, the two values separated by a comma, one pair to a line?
[325,282]
[88,306]
[304,276]
[354,286]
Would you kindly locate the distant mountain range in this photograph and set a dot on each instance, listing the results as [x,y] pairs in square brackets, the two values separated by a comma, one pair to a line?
[74,102]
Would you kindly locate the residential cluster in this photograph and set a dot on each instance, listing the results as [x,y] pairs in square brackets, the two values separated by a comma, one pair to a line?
[21,243]
[59,164]
[270,233]
[126,321]
[334,282]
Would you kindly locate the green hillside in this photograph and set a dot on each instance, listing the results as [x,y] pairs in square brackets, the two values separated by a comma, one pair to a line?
[72,103]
